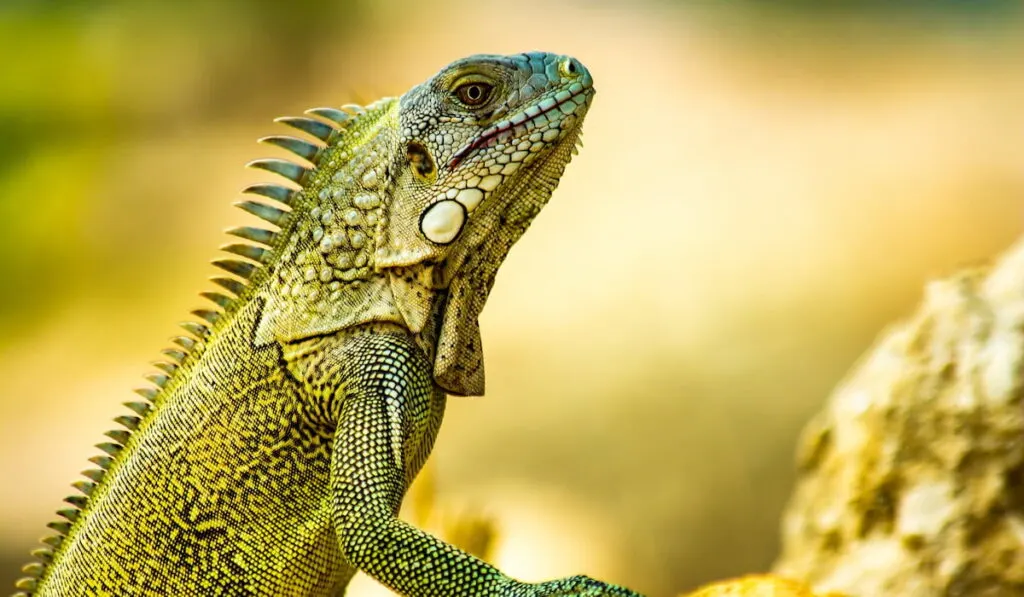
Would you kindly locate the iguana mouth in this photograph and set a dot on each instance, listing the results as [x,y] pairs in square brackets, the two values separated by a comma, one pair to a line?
[577,94]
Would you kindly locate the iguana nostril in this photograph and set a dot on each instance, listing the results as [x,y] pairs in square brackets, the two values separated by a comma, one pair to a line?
[570,67]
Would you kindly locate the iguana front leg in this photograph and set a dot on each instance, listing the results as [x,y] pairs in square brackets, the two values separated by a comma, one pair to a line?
[389,410]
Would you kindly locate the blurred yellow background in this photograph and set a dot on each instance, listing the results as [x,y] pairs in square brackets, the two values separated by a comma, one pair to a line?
[762,190]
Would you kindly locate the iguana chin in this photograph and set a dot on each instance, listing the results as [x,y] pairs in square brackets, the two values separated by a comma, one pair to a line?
[273,453]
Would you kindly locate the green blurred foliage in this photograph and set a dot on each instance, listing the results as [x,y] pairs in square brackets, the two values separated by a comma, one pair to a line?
[81,78]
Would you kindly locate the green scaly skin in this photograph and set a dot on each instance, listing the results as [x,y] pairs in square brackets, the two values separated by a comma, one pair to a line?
[273,454]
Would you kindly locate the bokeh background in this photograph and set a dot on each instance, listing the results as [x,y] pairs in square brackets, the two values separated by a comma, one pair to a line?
[765,185]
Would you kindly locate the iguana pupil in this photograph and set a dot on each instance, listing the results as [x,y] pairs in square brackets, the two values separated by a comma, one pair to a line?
[474,94]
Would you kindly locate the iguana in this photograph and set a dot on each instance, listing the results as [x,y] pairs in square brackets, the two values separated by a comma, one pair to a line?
[272,453]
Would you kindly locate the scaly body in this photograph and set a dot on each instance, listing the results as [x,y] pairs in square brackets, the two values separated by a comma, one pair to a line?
[272,455]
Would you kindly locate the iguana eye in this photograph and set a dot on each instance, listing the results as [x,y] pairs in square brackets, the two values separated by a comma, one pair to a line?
[474,94]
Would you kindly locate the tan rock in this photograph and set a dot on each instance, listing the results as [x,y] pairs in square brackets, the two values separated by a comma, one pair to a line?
[759,586]
[910,479]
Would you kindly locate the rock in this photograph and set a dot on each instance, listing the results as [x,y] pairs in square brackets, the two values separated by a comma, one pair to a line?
[911,480]
[759,586]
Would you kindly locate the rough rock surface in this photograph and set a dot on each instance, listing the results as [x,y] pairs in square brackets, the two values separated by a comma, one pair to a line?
[759,586]
[912,478]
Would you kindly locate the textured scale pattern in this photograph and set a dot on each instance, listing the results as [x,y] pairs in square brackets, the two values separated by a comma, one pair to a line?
[273,449]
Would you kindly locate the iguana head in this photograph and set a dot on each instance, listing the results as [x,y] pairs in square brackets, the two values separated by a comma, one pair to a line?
[415,202]
[486,141]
